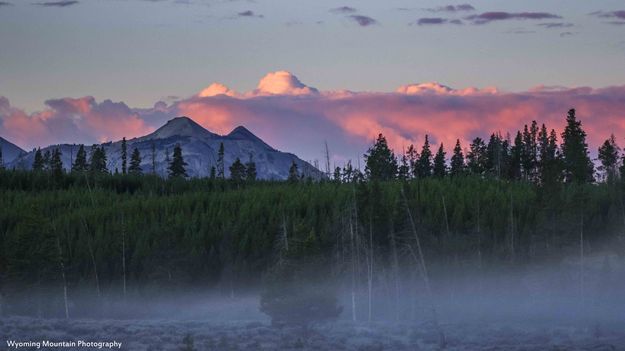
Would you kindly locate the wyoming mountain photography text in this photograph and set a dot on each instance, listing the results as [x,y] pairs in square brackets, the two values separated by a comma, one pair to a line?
[233,175]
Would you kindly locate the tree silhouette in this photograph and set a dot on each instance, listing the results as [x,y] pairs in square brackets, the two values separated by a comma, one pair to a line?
[424,164]
[177,165]
[609,157]
[38,163]
[56,163]
[80,163]
[237,171]
[293,173]
[97,163]
[440,168]
[135,163]
[457,160]
[577,164]
[250,170]
[380,161]
[220,162]
[124,155]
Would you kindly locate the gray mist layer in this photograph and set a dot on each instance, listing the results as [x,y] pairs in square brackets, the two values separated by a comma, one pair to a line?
[564,305]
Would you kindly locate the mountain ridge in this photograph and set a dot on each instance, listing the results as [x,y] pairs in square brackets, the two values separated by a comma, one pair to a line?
[199,148]
[10,151]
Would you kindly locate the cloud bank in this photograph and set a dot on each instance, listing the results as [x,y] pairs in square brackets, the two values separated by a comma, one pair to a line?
[295,117]
[487,17]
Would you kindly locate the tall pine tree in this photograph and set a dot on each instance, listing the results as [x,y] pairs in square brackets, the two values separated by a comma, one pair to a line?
[380,161]
[80,163]
[135,163]
[457,160]
[220,162]
[578,167]
[177,165]
[38,163]
[237,171]
[56,163]
[97,163]
[424,164]
[124,155]
[440,168]
[609,157]
[250,170]
[476,158]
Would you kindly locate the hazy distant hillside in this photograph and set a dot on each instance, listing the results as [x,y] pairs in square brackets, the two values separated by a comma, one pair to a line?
[199,148]
[10,151]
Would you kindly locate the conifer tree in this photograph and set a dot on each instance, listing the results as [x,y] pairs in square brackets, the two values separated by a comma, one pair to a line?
[516,155]
[576,162]
[476,158]
[250,170]
[177,165]
[424,164]
[220,162]
[403,172]
[97,163]
[47,156]
[622,168]
[380,161]
[56,163]
[494,155]
[237,171]
[124,155]
[38,163]
[80,163]
[135,163]
[337,177]
[440,168]
[457,160]
[548,165]
[293,173]
[1,159]
[212,173]
[609,157]
[529,158]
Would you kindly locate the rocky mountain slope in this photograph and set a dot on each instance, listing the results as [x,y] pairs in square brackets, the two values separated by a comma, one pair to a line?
[199,149]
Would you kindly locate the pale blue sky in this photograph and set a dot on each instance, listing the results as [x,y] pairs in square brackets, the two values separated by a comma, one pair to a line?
[140,51]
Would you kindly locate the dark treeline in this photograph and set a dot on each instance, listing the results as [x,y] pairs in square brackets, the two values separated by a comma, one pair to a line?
[106,236]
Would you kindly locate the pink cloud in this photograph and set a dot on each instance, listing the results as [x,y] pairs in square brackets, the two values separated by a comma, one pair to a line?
[71,120]
[294,117]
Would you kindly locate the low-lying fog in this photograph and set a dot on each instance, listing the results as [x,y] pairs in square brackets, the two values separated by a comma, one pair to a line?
[563,307]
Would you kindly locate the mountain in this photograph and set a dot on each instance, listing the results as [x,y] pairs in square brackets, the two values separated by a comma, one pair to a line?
[10,151]
[199,149]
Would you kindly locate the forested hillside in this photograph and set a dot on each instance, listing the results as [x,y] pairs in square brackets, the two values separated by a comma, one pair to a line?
[108,236]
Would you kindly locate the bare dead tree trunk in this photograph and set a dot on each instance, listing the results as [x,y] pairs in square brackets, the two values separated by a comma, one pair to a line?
[479,238]
[62,266]
[446,218]
[370,269]
[511,236]
[353,259]
[124,255]
[581,259]
[395,270]
[92,256]
[426,278]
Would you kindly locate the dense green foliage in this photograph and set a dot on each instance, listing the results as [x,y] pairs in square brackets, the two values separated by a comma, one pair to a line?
[512,204]
[213,233]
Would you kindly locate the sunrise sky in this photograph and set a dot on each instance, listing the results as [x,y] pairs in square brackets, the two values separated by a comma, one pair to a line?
[299,72]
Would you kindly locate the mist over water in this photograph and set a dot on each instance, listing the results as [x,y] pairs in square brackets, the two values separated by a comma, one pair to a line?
[560,305]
